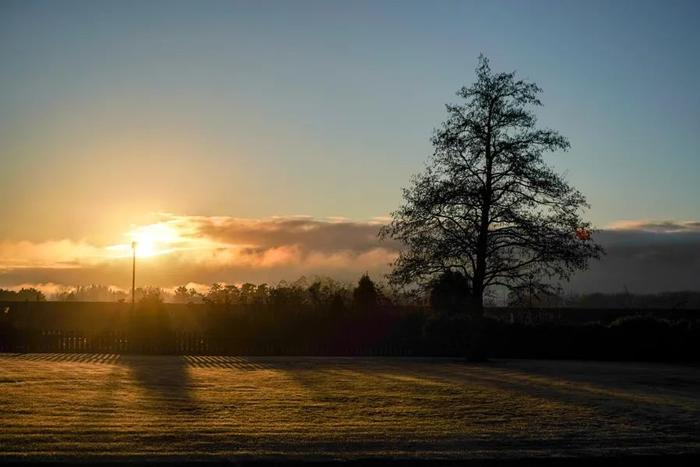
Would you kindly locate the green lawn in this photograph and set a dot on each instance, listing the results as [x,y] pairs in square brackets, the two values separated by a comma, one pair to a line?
[65,405]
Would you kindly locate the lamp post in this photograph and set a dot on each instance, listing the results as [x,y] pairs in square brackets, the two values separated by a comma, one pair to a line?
[133,274]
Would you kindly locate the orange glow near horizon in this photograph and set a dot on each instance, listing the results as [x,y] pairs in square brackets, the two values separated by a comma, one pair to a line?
[151,240]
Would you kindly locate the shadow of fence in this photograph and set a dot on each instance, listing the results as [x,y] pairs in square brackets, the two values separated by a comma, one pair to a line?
[142,365]
[166,342]
[60,341]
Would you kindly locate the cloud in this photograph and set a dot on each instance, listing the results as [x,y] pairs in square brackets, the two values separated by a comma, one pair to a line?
[56,254]
[180,249]
[642,256]
[667,226]
[308,234]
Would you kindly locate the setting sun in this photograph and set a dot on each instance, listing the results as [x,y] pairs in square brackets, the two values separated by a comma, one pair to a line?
[150,240]
[154,239]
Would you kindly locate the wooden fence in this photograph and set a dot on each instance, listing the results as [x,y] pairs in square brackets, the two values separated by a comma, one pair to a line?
[61,327]
[181,343]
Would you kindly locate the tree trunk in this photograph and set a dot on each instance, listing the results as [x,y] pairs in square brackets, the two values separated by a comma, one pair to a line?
[476,339]
[475,351]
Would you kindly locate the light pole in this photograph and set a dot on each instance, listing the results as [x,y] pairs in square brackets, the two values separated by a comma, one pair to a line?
[133,274]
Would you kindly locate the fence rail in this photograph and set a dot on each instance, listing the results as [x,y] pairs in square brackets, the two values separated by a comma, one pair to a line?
[179,343]
[389,331]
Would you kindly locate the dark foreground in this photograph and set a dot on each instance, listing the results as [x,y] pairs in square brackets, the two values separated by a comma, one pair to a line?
[80,408]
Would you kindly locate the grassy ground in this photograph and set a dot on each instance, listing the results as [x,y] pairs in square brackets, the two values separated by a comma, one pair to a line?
[59,406]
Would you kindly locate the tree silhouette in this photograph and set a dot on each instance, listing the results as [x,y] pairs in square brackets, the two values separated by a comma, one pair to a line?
[24,295]
[181,295]
[450,292]
[149,295]
[487,204]
[365,296]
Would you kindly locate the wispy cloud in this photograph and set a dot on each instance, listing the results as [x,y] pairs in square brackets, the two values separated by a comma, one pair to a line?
[664,226]
[56,254]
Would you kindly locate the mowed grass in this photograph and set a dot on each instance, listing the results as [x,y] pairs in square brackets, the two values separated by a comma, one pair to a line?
[66,405]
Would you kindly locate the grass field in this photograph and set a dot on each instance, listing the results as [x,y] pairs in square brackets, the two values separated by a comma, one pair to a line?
[59,406]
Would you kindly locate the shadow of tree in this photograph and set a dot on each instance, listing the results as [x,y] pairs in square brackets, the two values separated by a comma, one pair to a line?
[166,381]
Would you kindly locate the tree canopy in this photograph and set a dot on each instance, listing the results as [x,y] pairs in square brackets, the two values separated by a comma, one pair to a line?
[487,204]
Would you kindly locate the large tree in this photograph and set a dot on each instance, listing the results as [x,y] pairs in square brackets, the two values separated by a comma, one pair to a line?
[487,204]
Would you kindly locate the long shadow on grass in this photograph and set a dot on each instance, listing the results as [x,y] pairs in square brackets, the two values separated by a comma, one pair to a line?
[650,418]
[646,419]
[165,380]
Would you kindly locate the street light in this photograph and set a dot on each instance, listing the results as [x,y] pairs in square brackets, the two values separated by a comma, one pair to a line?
[133,274]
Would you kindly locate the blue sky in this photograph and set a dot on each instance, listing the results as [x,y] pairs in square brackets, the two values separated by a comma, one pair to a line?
[111,111]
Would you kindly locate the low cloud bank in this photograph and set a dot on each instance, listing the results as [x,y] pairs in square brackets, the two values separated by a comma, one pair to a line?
[209,249]
[642,256]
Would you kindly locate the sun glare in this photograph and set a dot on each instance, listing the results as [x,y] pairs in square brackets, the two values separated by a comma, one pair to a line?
[153,240]
[149,240]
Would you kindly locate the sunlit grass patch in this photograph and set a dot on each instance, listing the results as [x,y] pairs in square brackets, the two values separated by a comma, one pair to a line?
[53,404]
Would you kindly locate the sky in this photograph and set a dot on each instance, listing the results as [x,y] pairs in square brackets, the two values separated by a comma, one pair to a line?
[124,117]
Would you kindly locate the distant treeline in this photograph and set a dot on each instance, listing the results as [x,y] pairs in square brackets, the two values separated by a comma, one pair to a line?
[316,290]
[23,295]
[684,300]
[326,317]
